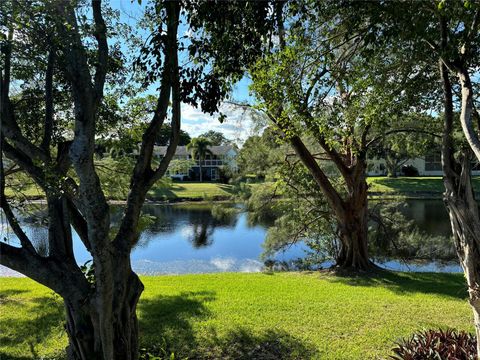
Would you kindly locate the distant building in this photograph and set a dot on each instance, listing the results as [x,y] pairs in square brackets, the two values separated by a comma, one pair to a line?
[429,165]
[222,158]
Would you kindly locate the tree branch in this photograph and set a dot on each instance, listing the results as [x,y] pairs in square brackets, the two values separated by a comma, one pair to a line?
[47,136]
[102,58]
[397,131]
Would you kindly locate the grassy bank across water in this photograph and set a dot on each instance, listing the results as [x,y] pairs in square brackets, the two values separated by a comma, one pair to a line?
[175,191]
[411,186]
[379,187]
[247,316]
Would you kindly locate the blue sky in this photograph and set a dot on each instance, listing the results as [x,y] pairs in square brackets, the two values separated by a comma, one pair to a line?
[238,126]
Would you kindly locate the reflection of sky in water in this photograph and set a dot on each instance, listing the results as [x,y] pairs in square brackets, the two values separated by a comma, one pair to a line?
[190,240]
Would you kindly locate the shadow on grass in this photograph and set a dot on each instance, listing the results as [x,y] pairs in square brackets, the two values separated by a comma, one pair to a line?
[166,328]
[445,284]
[5,297]
[46,321]
[161,193]
[226,188]
[167,319]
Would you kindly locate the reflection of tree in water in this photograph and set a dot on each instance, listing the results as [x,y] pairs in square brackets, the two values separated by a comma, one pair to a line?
[202,234]
[397,232]
[35,217]
[197,217]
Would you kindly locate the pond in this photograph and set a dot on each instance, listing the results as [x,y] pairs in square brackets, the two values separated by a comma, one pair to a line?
[187,238]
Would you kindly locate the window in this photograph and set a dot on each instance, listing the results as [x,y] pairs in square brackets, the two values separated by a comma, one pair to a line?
[433,162]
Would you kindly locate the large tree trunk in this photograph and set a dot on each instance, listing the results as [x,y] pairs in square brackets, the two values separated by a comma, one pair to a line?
[353,229]
[465,221]
[84,325]
[459,199]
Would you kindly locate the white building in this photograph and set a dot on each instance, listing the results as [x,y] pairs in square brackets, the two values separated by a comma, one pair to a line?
[429,165]
[223,157]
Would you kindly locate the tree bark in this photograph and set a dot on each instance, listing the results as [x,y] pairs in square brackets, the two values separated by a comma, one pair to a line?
[460,202]
[465,222]
[353,225]
[83,321]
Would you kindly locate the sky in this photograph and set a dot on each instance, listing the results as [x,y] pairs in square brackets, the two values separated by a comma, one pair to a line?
[238,124]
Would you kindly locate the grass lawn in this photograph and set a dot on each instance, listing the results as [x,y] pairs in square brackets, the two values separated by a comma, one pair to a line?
[254,316]
[411,184]
[190,190]
[175,191]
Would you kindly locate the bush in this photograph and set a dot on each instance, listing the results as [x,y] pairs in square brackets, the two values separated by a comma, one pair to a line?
[409,170]
[437,344]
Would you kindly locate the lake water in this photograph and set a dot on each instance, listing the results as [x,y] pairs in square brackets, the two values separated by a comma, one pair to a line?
[188,239]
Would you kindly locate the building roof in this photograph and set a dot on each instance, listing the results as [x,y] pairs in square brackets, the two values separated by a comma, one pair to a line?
[182,150]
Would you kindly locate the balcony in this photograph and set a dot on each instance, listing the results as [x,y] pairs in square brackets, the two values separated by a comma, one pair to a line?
[210,163]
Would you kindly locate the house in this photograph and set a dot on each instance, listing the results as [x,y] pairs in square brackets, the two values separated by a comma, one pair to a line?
[429,165]
[223,158]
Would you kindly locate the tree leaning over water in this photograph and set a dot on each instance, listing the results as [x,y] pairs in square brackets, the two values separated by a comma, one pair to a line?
[326,101]
[62,47]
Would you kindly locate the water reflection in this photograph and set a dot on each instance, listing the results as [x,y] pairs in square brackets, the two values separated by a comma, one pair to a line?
[188,239]
[196,221]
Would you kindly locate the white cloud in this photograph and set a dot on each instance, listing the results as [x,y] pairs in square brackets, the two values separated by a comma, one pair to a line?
[237,126]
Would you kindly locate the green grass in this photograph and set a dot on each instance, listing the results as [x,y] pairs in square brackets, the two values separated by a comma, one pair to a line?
[29,192]
[408,185]
[248,316]
[174,191]
[190,190]
[379,186]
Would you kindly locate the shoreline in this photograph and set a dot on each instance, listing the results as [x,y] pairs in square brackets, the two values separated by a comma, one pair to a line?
[374,195]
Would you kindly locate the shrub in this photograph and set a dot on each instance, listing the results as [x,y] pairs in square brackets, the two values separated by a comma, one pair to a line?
[437,344]
[409,170]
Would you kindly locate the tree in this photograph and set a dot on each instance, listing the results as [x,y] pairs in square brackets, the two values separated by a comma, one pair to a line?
[163,138]
[63,47]
[459,195]
[199,148]
[216,138]
[398,149]
[442,39]
[325,100]
[260,155]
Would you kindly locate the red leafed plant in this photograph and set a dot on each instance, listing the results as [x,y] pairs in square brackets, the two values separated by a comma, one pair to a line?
[438,345]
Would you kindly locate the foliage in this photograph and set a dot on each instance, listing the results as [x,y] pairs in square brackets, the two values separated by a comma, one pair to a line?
[180,166]
[410,170]
[216,138]
[437,344]
[114,174]
[199,147]
[296,216]
[419,139]
[88,269]
[163,137]
[392,235]
[261,154]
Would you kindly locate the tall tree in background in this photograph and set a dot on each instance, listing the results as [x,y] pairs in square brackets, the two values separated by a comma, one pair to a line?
[199,148]
[216,138]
